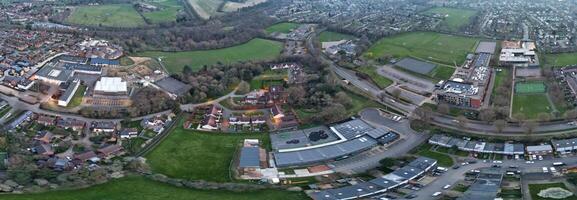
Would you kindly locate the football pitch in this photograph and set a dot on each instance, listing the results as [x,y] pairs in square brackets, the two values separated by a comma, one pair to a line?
[110,15]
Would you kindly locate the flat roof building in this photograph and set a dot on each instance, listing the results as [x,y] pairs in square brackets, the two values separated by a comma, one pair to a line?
[111,86]
[64,100]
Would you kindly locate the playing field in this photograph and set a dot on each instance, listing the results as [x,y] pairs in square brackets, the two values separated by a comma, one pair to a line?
[140,188]
[167,13]
[328,36]
[530,87]
[254,50]
[453,18]
[561,60]
[194,155]
[285,27]
[436,47]
[205,8]
[111,15]
[531,105]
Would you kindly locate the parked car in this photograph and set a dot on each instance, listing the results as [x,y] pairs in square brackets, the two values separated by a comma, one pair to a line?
[436,194]
[446,187]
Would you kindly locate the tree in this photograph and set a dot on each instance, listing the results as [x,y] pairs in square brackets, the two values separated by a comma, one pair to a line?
[296,96]
[423,113]
[500,124]
[443,108]
[519,117]
[344,99]
[571,114]
[396,93]
[529,127]
[487,115]
[544,117]
[462,121]
[243,88]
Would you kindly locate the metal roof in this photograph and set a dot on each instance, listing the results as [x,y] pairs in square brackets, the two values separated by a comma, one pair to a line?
[249,157]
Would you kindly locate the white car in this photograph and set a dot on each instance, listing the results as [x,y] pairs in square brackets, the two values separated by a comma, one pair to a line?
[497,161]
[530,162]
[446,187]
[552,169]
[465,163]
[545,170]
[437,194]
[540,157]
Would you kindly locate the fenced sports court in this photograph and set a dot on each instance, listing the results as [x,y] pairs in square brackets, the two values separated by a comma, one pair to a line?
[530,87]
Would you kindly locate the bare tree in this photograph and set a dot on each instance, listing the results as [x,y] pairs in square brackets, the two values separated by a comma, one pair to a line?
[462,121]
[487,114]
[443,108]
[571,114]
[543,117]
[529,127]
[423,113]
[500,124]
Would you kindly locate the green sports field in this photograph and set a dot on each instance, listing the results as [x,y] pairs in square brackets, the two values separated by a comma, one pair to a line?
[435,47]
[531,105]
[453,18]
[285,27]
[530,87]
[140,188]
[167,13]
[111,15]
[328,36]
[561,59]
[194,155]
[254,50]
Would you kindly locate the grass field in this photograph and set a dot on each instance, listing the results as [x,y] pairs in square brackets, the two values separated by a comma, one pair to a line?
[254,50]
[284,27]
[435,47]
[77,98]
[110,15]
[442,72]
[531,104]
[168,12]
[561,60]
[140,188]
[453,18]
[328,36]
[442,159]
[530,87]
[381,81]
[534,189]
[194,155]
[205,8]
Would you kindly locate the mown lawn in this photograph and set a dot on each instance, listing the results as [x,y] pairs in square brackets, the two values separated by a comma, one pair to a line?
[168,12]
[254,50]
[140,188]
[534,189]
[285,27]
[329,36]
[381,81]
[194,155]
[531,104]
[110,15]
[435,47]
[453,18]
[442,72]
[78,96]
[561,59]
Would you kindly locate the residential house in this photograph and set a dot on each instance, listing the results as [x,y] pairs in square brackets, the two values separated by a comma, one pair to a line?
[110,151]
[128,133]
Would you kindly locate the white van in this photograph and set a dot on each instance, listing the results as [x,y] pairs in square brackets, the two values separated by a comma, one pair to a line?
[437,194]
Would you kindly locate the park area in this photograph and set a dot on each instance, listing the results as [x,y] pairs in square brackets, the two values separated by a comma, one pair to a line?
[168,11]
[195,155]
[140,188]
[435,47]
[536,189]
[284,27]
[561,59]
[205,8]
[531,99]
[254,50]
[329,36]
[453,18]
[110,15]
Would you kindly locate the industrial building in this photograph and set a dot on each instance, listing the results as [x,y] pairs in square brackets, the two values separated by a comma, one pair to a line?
[110,86]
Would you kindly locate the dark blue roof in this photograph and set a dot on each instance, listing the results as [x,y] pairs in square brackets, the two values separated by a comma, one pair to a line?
[101,61]
[249,157]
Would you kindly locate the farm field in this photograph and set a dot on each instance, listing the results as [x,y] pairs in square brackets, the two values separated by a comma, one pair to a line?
[111,15]
[168,12]
[435,47]
[205,8]
[328,36]
[194,155]
[561,60]
[140,188]
[231,6]
[453,18]
[254,50]
[284,27]
[534,189]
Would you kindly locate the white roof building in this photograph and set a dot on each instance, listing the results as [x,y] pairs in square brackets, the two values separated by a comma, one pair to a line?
[111,85]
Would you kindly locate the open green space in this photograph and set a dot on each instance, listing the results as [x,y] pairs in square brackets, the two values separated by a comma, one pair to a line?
[453,18]
[534,189]
[205,8]
[500,77]
[285,27]
[359,103]
[371,71]
[254,50]
[110,15]
[140,188]
[530,87]
[168,11]
[561,59]
[443,159]
[77,98]
[531,104]
[442,72]
[195,155]
[435,47]
[329,36]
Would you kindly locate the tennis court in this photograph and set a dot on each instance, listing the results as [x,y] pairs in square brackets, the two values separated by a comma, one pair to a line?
[530,87]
